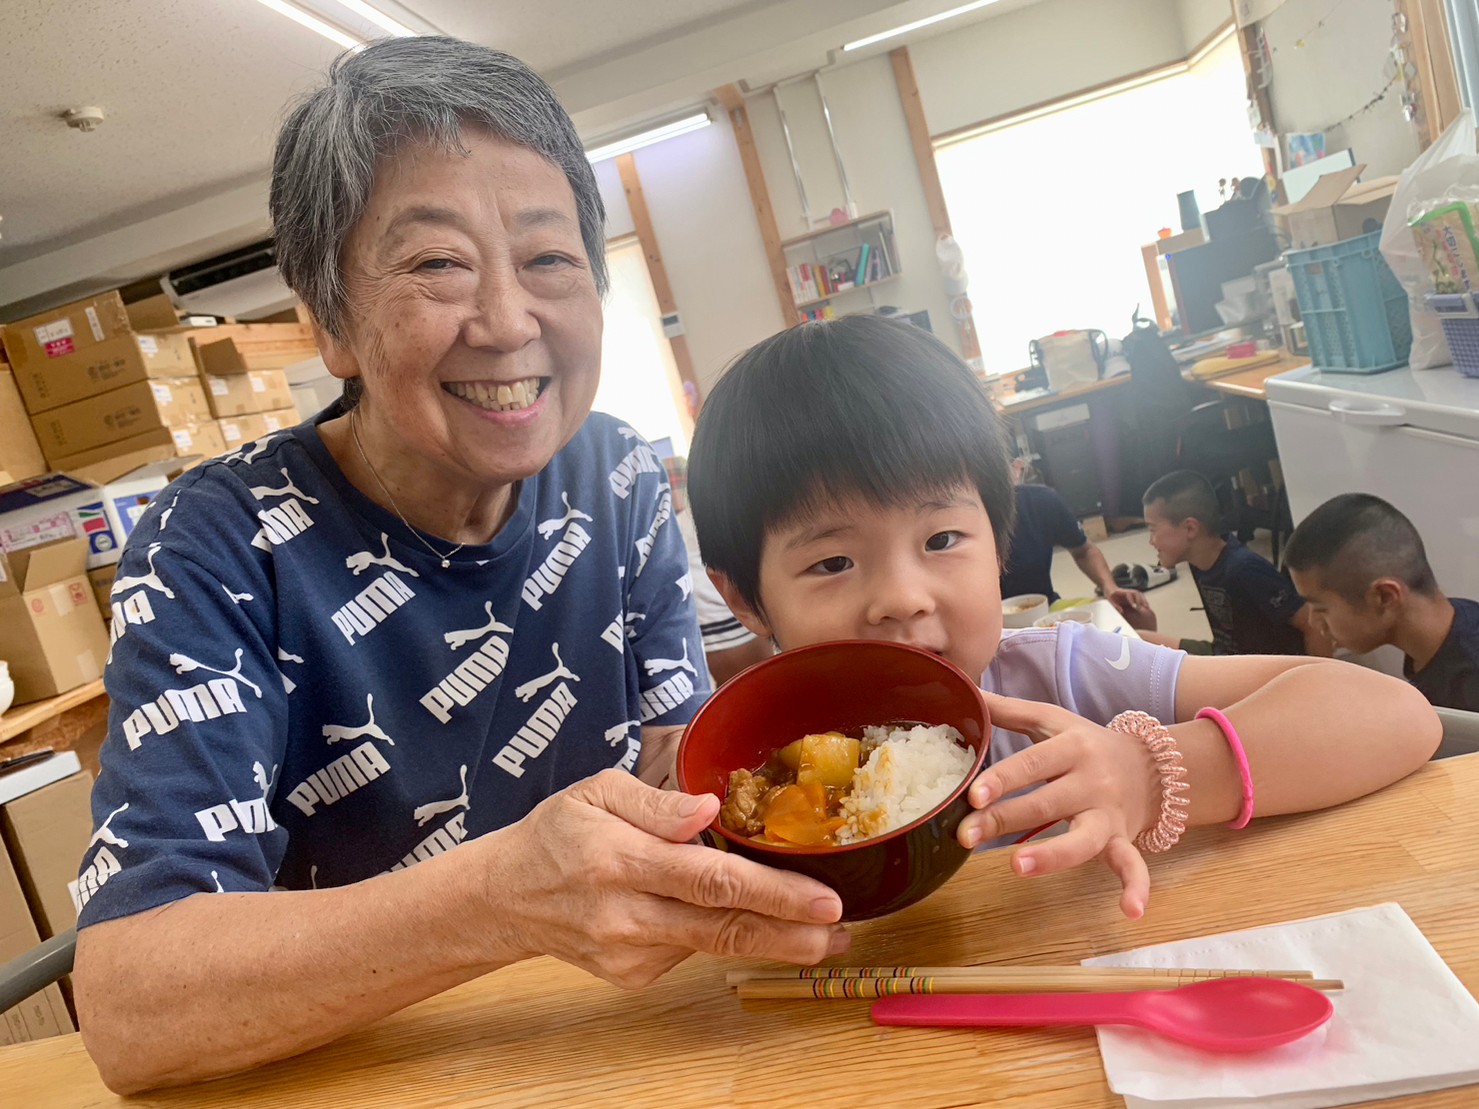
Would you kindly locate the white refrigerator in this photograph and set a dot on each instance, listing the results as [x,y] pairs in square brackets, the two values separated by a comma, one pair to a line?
[1410,437]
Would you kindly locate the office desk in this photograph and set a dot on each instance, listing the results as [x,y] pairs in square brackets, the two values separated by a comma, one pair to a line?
[1061,396]
[542,1033]
[1249,383]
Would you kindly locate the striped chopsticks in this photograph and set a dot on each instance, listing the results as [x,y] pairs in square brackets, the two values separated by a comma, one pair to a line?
[847,983]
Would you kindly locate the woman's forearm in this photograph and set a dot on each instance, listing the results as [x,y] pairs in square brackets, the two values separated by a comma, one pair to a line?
[222,982]
[1315,735]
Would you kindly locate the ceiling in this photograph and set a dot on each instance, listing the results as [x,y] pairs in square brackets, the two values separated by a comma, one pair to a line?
[193,90]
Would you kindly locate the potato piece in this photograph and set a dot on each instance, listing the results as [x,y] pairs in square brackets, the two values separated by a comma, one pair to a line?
[828,759]
[790,755]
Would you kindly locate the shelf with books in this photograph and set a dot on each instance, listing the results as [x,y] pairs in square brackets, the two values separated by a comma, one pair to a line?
[804,304]
[840,259]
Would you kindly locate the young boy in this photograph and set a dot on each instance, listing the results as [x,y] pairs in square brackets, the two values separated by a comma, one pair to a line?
[1361,565]
[1253,608]
[849,480]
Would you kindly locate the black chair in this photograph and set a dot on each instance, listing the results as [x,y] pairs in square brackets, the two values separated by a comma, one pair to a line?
[1205,443]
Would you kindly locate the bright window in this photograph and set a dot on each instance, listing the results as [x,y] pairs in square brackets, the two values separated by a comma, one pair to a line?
[1052,212]
[639,380]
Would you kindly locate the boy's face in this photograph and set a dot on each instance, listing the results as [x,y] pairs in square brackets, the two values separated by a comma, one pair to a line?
[1356,627]
[925,575]
[1171,541]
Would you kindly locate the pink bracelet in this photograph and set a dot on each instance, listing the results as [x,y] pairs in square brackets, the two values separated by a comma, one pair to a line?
[1234,741]
[1167,758]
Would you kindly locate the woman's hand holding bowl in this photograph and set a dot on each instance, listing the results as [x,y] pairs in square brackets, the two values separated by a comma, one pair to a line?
[602,875]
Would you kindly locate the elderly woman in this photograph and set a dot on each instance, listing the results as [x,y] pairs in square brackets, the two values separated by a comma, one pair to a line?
[414,660]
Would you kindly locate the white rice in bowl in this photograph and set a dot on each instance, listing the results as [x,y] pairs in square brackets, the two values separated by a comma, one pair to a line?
[909,772]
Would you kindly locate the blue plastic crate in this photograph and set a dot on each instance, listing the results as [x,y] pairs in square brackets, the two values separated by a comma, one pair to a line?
[1459,314]
[1354,309]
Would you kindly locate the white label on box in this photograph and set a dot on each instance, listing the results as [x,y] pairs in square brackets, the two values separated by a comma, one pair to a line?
[2,570]
[230,432]
[54,331]
[272,422]
[97,326]
[161,392]
[218,386]
[258,385]
[148,344]
[183,439]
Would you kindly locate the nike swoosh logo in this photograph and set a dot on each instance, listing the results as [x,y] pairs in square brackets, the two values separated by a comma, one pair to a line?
[1123,662]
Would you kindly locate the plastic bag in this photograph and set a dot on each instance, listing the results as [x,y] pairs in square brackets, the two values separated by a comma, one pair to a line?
[1452,160]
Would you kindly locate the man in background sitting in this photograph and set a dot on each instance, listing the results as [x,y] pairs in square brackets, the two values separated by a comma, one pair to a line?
[729,646]
[1252,607]
[1361,566]
[1044,523]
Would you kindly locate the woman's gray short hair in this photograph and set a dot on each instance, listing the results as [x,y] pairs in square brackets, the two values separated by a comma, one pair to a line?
[393,92]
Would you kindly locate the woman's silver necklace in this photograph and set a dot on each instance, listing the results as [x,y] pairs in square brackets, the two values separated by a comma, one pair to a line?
[354,430]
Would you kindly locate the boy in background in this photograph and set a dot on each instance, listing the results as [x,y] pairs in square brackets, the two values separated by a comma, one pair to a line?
[1044,523]
[1253,609]
[1361,566]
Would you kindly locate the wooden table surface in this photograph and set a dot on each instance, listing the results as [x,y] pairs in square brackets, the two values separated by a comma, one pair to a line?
[1252,383]
[1062,396]
[542,1034]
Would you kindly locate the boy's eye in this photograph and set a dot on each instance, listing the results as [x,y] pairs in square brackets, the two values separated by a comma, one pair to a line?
[942,541]
[834,565]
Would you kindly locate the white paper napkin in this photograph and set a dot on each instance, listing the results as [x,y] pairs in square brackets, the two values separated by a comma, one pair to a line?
[1403,1024]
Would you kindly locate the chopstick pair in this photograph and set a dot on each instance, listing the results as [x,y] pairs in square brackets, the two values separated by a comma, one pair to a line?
[839,983]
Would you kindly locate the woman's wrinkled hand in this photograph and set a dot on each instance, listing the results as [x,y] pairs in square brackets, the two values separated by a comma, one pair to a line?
[602,875]
[1102,782]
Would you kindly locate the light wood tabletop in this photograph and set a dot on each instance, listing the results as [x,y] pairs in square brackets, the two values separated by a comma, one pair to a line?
[543,1034]
[1252,382]
[1061,396]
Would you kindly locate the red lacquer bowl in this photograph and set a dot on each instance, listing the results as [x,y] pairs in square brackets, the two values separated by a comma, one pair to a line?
[841,686]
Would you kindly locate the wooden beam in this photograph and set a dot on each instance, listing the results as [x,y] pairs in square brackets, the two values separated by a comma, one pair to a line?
[1431,54]
[1151,255]
[929,179]
[733,102]
[631,184]
[1248,45]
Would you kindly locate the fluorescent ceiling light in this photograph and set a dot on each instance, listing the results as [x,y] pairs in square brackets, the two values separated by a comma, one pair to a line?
[378,18]
[313,23]
[682,126]
[916,25]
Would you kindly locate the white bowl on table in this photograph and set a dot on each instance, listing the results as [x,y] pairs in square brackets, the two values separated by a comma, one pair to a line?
[1023,610]
[1067,616]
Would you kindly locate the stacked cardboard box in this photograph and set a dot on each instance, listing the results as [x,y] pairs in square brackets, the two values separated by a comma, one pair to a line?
[20,455]
[241,366]
[101,379]
[51,632]
[44,1014]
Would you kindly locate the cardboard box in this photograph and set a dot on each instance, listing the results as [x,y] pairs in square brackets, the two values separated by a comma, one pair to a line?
[101,581]
[46,832]
[192,442]
[50,631]
[60,506]
[80,349]
[240,348]
[57,506]
[20,455]
[242,394]
[43,1014]
[283,417]
[237,431]
[119,414]
[1335,208]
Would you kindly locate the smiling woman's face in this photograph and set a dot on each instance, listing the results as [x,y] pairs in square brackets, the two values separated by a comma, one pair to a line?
[474,320]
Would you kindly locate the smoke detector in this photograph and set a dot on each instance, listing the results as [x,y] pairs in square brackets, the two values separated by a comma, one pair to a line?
[83,119]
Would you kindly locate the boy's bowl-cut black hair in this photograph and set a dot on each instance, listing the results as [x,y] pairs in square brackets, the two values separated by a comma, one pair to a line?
[1356,539]
[860,406]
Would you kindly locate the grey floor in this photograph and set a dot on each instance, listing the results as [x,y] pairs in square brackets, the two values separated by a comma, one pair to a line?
[1177,605]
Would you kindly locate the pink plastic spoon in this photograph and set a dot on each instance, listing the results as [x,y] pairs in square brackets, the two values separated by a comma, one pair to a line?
[1225,1014]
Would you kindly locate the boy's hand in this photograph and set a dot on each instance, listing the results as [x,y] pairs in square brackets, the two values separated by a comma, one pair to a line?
[1132,605]
[1103,783]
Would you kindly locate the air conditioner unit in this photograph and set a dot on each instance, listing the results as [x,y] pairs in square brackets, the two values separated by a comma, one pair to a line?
[244,284]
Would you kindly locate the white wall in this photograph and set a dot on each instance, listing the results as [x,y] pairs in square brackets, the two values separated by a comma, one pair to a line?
[1199,18]
[1041,53]
[1339,69]
[705,228]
